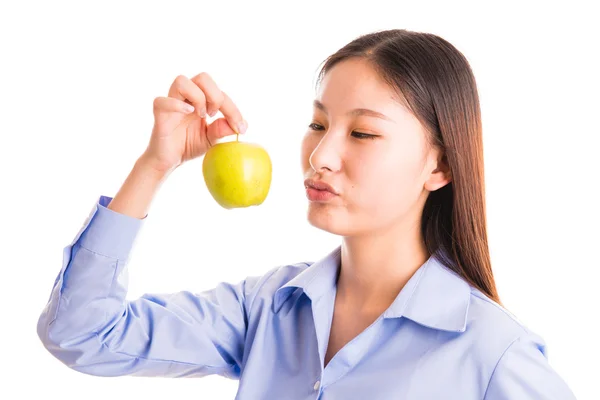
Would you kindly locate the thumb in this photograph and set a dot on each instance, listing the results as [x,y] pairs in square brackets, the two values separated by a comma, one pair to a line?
[219,128]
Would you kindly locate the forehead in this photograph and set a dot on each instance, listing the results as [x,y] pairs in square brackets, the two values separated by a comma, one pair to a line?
[354,83]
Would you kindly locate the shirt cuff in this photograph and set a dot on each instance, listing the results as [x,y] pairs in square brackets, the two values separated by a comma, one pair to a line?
[108,232]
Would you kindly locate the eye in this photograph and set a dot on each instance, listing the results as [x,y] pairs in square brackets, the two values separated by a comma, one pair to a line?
[316,127]
[360,135]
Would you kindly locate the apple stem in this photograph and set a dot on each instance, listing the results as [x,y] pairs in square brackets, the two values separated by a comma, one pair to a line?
[237,137]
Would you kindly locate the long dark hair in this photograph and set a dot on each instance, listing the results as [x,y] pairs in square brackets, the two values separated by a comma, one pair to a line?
[436,83]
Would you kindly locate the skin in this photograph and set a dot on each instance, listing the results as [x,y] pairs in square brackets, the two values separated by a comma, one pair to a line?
[383,183]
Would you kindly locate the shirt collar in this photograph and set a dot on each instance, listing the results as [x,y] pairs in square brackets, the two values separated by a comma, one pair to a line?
[317,279]
[435,296]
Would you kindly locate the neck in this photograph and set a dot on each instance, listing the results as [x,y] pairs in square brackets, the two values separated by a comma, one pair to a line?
[375,267]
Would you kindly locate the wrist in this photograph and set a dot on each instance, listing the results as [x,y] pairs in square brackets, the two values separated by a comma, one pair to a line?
[138,190]
[147,166]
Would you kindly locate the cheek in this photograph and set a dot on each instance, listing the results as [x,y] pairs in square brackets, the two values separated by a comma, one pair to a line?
[385,180]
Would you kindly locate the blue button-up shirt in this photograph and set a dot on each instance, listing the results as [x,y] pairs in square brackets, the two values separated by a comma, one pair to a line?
[439,339]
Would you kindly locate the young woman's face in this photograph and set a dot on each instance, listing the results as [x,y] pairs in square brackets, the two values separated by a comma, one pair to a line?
[379,166]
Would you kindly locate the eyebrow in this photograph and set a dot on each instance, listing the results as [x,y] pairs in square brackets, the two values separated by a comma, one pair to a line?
[356,112]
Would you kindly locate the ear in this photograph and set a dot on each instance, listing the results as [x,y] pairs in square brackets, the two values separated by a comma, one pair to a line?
[440,176]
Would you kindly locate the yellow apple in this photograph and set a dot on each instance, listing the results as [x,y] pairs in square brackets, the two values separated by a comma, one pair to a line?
[237,174]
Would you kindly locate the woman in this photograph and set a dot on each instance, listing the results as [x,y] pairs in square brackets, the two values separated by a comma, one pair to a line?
[405,308]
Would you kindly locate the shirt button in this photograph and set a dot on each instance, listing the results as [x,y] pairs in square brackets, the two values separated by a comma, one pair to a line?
[317,385]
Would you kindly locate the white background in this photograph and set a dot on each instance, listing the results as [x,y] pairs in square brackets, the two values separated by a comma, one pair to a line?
[77,84]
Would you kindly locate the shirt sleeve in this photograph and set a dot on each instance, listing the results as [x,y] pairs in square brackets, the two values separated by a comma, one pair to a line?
[89,325]
[523,373]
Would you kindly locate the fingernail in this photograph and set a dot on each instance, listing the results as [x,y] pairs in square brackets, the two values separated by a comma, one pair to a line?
[213,113]
[202,113]
[242,126]
[188,108]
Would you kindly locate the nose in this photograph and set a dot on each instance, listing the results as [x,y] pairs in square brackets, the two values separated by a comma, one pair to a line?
[327,155]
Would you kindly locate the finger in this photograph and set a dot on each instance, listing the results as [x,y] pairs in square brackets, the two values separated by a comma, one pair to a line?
[233,115]
[217,129]
[219,100]
[170,104]
[214,96]
[185,90]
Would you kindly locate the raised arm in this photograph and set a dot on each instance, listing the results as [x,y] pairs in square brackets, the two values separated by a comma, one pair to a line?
[89,325]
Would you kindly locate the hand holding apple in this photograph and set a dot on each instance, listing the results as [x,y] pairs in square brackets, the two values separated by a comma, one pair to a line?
[180,131]
[237,174]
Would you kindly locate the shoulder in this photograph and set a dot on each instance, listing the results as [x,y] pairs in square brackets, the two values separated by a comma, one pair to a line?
[484,313]
[496,328]
[497,335]
[517,364]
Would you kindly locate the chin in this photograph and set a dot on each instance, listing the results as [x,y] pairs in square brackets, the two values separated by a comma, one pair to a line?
[330,219]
